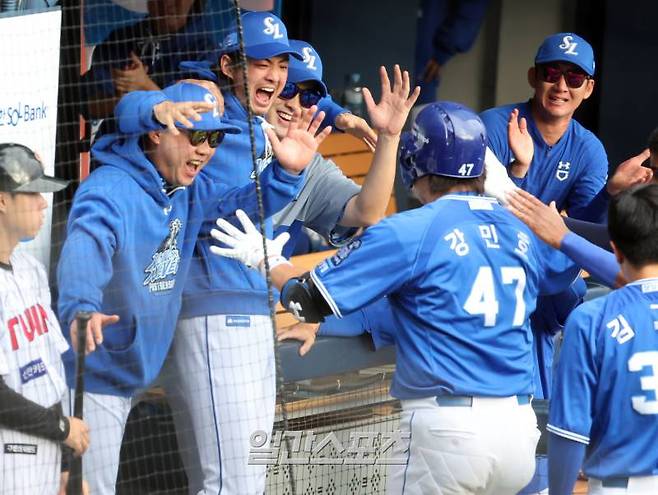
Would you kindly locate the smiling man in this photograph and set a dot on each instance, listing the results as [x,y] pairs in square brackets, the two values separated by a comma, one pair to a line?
[564,163]
[130,240]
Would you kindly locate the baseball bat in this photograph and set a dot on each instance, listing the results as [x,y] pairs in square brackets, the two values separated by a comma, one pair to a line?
[74,486]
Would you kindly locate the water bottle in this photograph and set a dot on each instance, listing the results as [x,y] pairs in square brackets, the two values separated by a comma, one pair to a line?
[353,94]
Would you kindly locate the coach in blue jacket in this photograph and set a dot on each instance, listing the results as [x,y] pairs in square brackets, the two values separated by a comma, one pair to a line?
[130,239]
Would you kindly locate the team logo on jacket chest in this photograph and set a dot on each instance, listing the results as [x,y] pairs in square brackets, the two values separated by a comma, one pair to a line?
[562,171]
[161,272]
[268,153]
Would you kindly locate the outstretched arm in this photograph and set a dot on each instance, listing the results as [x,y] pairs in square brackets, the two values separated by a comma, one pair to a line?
[388,117]
[547,223]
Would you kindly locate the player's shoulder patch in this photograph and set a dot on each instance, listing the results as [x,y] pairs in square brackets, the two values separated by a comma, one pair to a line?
[343,253]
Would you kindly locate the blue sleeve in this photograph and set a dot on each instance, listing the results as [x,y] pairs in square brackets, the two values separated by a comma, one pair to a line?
[558,271]
[376,319]
[564,460]
[601,264]
[574,383]
[495,121]
[595,233]
[134,112]
[458,32]
[586,199]
[350,325]
[278,187]
[331,110]
[94,233]
[353,277]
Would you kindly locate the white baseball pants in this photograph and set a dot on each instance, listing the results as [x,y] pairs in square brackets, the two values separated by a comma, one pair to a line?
[486,448]
[221,376]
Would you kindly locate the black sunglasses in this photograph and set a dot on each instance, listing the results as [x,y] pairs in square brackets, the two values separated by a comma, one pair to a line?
[197,137]
[573,77]
[307,97]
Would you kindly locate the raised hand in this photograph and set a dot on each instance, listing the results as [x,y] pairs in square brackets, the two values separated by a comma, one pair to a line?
[520,142]
[357,127]
[246,245]
[169,112]
[389,115]
[300,143]
[630,173]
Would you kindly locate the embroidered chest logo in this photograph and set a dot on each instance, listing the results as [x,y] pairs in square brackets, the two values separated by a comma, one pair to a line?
[164,262]
[562,172]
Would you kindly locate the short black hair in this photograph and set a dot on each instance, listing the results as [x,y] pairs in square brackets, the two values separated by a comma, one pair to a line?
[440,184]
[653,141]
[633,224]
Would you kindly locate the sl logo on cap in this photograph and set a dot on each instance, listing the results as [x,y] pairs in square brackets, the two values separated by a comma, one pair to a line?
[568,45]
[209,98]
[309,58]
[272,28]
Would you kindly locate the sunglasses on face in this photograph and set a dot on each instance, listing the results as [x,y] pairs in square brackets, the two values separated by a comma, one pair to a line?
[199,137]
[552,73]
[307,97]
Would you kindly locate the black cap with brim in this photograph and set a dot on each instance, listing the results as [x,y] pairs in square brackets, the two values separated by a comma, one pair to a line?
[21,171]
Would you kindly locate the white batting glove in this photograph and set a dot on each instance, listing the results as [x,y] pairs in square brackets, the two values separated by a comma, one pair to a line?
[496,183]
[247,246]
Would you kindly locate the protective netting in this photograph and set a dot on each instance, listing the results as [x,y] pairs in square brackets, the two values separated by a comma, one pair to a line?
[334,434]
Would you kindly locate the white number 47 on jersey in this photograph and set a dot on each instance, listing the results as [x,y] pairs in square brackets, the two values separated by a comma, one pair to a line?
[482,299]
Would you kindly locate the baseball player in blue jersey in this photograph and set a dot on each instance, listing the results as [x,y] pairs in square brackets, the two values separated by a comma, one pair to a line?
[33,428]
[604,408]
[462,278]
[564,162]
[131,236]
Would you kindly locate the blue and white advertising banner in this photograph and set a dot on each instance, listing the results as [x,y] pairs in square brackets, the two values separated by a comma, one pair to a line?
[29,51]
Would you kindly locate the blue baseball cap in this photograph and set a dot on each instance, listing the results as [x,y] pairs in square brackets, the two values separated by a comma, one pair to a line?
[307,69]
[567,47]
[210,120]
[265,36]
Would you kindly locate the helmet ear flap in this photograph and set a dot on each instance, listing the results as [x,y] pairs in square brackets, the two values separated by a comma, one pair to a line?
[407,159]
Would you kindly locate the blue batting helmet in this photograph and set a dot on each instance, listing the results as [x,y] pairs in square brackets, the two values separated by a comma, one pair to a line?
[446,139]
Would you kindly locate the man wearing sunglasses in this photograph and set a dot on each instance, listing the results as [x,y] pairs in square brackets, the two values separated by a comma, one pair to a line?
[220,373]
[549,154]
[330,203]
[130,242]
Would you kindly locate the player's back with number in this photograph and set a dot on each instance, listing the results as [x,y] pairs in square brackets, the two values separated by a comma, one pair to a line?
[463,276]
[614,407]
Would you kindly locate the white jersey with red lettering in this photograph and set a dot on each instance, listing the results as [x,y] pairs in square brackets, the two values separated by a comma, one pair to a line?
[31,345]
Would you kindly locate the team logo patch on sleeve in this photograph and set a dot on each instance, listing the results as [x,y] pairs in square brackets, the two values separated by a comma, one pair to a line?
[342,254]
[33,369]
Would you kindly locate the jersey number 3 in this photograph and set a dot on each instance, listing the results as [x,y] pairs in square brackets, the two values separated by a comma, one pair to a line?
[482,298]
[649,383]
